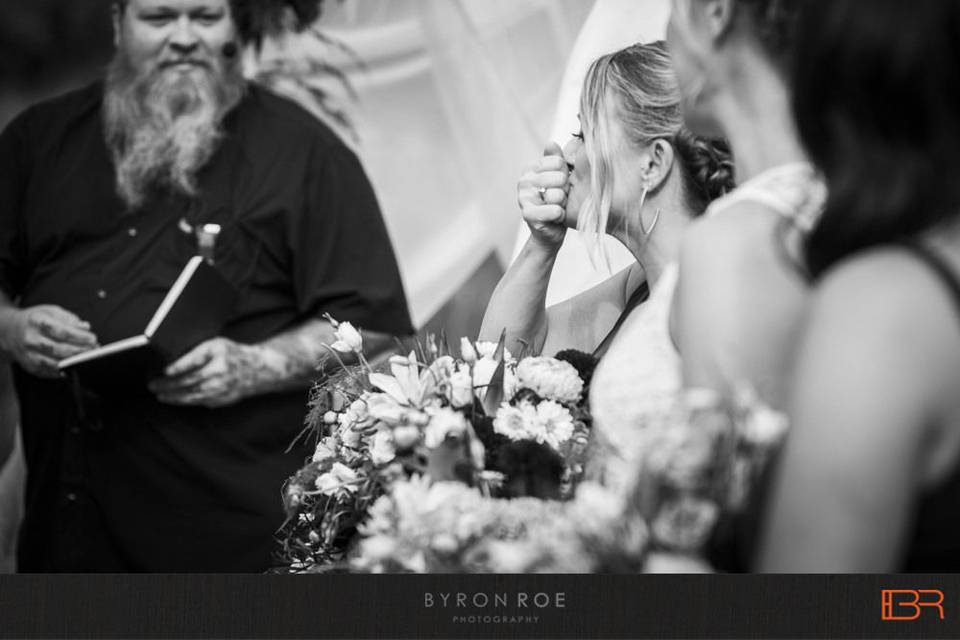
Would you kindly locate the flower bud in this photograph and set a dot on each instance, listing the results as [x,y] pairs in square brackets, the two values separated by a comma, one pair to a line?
[467,351]
[405,437]
[348,339]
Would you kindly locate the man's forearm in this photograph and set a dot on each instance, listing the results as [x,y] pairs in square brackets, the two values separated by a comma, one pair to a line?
[296,358]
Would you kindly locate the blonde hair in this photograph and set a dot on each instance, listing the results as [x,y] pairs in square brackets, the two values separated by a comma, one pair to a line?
[646,100]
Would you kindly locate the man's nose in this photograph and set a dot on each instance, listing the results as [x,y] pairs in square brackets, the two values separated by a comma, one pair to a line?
[184,38]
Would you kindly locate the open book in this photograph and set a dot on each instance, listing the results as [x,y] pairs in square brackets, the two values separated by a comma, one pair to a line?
[195,309]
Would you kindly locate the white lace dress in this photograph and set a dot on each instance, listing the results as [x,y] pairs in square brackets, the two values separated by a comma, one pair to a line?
[640,376]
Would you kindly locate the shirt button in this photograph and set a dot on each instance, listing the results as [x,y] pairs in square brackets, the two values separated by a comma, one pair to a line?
[71,497]
[101,294]
[132,232]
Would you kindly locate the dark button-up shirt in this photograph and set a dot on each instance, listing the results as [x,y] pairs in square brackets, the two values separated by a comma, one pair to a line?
[127,483]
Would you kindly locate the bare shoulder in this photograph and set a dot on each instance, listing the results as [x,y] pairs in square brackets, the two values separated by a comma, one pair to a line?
[885,303]
[745,233]
[738,255]
[888,285]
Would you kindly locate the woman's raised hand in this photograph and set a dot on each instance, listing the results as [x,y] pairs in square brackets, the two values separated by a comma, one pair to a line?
[542,196]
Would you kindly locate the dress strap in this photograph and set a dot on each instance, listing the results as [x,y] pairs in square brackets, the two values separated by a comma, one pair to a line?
[639,296]
[939,266]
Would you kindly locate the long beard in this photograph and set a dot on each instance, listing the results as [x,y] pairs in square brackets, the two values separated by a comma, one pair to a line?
[163,127]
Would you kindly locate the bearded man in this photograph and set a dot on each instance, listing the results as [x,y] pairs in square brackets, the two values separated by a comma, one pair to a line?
[100,191]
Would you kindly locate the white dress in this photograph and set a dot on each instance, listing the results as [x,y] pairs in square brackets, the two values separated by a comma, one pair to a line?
[639,378]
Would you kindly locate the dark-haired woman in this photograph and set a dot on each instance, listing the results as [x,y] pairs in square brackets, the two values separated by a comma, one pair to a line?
[636,174]
[740,299]
[870,477]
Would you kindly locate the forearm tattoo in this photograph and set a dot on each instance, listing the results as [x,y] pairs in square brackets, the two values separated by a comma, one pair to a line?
[287,361]
[297,358]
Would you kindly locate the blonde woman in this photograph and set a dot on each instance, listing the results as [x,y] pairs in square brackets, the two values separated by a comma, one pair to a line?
[636,174]
[633,172]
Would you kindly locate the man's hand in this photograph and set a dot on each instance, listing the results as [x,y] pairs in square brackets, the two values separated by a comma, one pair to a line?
[216,373]
[39,337]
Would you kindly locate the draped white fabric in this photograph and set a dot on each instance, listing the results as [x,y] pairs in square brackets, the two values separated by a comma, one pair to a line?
[455,98]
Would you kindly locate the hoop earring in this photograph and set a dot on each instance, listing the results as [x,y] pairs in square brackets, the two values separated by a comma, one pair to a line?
[656,216]
[656,219]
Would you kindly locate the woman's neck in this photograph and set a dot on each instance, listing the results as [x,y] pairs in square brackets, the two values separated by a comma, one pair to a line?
[660,248]
[755,115]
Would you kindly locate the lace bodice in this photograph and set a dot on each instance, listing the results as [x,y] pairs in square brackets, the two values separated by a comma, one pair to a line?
[640,376]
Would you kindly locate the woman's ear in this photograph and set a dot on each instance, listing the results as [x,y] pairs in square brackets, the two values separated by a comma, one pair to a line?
[718,17]
[658,162]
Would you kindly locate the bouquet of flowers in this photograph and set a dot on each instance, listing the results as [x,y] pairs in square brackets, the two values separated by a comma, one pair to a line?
[424,527]
[701,463]
[495,425]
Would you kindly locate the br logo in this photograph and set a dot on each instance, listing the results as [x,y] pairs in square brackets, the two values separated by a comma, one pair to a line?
[910,604]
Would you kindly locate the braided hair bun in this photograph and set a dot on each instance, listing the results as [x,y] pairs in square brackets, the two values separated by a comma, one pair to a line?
[707,168]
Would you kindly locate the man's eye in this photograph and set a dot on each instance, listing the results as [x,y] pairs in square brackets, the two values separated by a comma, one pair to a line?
[157,18]
[209,18]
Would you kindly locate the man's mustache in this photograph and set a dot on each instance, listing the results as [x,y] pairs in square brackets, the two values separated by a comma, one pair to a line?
[197,62]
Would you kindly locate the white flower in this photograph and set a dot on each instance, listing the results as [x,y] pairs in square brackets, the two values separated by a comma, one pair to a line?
[760,426]
[483,371]
[461,387]
[378,548]
[547,422]
[330,417]
[326,450]
[685,523]
[554,424]
[416,563]
[384,408]
[681,455]
[488,349]
[359,409]
[764,427]
[467,352]
[551,379]
[515,423]
[339,478]
[406,437]
[444,542]
[444,422]
[349,436]
[404,385]
[381,449]
[595,503]
[348,339]
[435,378]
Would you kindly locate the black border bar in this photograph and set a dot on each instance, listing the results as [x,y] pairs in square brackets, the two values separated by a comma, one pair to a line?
[473,606]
